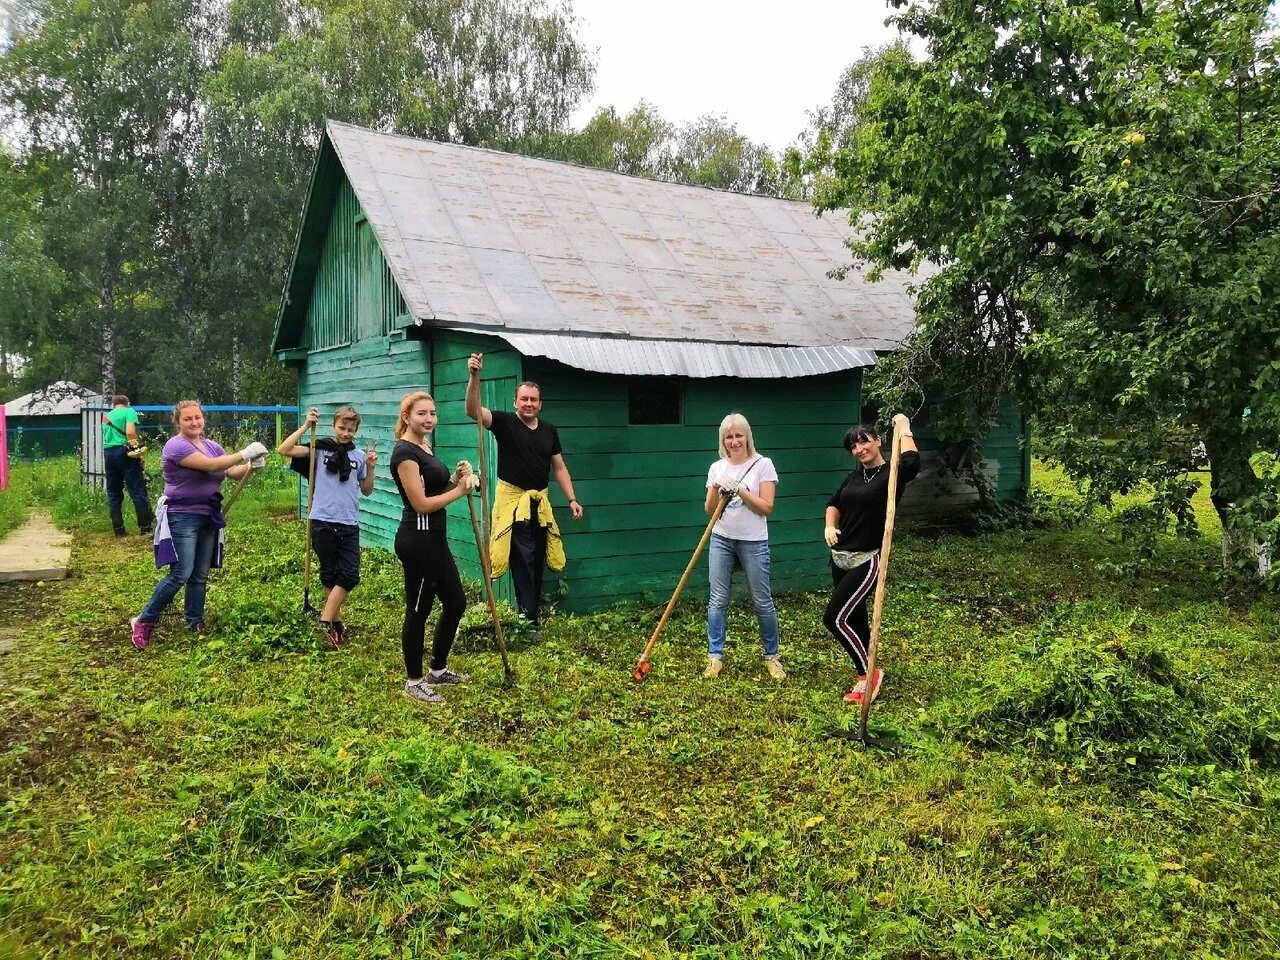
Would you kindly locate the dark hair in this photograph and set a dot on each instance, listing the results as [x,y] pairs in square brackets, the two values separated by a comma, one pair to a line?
[860,433]
[119,400]
[528,383]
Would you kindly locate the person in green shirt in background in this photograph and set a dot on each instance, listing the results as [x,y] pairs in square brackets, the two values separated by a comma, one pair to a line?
[122,453]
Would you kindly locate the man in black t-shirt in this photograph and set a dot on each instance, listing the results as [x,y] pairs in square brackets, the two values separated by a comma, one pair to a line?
[529,454]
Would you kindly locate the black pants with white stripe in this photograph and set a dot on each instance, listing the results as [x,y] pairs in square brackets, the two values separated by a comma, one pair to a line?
[846,614]
[429,572]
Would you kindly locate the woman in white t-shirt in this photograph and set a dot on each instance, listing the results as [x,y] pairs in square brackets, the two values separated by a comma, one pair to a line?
[740,538]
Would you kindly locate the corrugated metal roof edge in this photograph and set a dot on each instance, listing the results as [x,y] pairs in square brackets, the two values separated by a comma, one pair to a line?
[697,359]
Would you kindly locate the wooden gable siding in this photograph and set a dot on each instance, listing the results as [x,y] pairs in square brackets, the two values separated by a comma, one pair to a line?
[358,354]
[355,296]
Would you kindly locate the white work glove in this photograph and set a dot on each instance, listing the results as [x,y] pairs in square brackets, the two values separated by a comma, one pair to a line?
[728,486]
[901,425]
[470,482]
[257,463]
[253,451]
[832,536]
[462,470]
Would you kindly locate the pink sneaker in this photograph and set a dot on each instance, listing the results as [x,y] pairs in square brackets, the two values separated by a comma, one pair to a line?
[141,633]
[859,691]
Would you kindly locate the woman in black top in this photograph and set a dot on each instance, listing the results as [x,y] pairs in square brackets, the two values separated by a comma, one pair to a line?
[427,488]
[855,529]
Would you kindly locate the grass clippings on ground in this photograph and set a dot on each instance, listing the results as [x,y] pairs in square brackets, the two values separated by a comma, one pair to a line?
[1089,769]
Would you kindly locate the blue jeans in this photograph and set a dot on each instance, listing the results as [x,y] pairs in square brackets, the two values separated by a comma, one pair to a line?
[194,539]
[753,557]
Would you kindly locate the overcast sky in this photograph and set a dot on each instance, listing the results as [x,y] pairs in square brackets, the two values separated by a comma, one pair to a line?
[760,65]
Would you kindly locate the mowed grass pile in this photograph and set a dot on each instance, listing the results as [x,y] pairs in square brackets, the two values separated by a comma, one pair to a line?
[1089,769]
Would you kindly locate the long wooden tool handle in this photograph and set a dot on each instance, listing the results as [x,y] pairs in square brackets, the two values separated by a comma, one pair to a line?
[235,492]
[886,545]
[311,496]
[666,614]
[488,586]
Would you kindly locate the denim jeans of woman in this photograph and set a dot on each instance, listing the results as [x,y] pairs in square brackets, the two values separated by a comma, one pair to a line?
[194,540]
[753,557]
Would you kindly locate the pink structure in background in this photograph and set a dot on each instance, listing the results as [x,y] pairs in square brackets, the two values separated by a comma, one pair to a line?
[4,452]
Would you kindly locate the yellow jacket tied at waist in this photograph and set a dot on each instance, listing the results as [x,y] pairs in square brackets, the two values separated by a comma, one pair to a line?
[512,505]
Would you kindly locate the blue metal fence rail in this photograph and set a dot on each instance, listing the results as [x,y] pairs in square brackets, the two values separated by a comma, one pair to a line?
[263,422]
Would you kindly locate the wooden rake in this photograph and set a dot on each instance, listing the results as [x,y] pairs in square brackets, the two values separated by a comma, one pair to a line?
[643,666]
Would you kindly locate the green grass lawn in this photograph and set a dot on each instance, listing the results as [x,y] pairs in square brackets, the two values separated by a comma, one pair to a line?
[1089,769]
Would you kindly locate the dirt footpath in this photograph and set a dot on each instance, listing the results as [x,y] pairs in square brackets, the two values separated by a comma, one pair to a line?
[35,551]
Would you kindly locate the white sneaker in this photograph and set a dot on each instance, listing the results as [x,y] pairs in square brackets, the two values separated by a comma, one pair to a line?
[774,666]
[713,668]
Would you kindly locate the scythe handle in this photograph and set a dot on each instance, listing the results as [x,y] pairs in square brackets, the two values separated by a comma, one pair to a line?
[886,545]
[666,614]
[482,550]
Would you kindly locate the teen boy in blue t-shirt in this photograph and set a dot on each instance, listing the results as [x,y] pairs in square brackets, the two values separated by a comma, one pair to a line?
[342,473]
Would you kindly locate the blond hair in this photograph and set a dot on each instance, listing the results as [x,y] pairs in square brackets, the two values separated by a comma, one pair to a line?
[736,421]
[407,403]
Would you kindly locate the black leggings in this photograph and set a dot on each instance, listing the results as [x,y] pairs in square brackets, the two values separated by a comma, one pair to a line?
[846,614]
[429,572]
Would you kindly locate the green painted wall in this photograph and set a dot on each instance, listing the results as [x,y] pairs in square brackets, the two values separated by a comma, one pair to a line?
[642,486]
[43,437]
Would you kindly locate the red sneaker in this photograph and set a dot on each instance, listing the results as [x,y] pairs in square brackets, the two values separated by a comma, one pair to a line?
[856,694]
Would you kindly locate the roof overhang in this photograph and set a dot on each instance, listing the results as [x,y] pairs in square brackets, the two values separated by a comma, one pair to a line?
[671,358]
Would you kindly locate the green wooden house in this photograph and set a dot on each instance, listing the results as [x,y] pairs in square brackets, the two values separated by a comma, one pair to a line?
[646,311]
[46,422]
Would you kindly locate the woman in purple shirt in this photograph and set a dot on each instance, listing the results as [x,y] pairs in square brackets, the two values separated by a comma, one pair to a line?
[194,468]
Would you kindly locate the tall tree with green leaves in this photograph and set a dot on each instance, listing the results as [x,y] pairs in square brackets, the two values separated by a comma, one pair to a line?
[172,140]
[103,95]
[29,278]
[496,73]
[637,144]
[710,152]
[1095,185]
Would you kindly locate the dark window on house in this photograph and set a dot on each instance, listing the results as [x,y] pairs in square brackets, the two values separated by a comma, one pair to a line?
[655,400]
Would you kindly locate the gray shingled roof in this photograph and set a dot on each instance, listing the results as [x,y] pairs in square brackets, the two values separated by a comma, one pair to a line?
[590,263]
